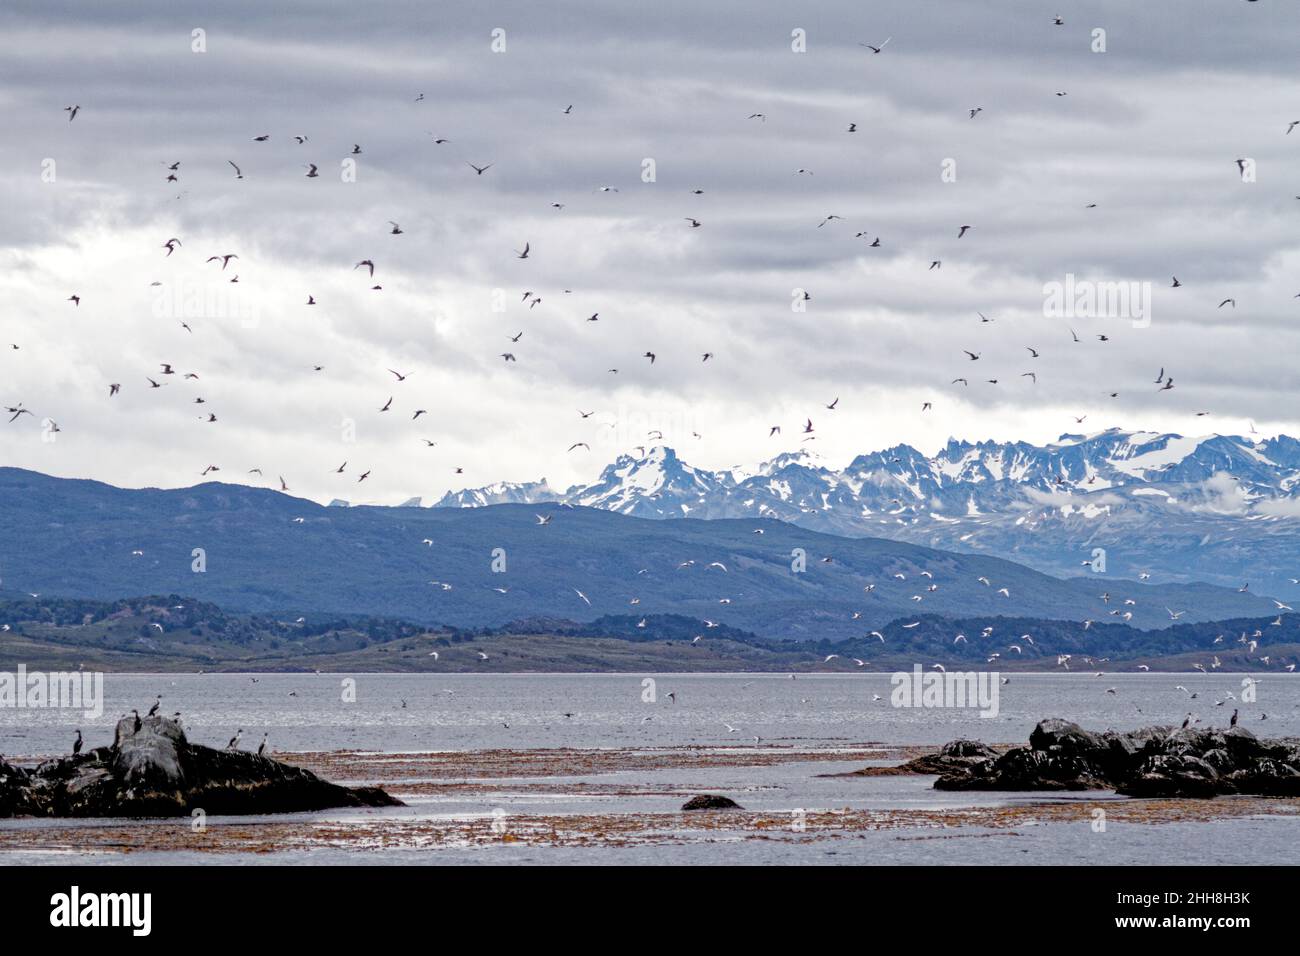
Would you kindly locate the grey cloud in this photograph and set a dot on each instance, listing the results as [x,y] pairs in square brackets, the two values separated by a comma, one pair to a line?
[1149,132]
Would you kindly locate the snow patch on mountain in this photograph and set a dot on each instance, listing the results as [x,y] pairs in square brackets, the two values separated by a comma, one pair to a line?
[501,493]
[1150,496]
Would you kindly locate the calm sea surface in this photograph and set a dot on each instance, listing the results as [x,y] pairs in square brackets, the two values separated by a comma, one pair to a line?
[397,713]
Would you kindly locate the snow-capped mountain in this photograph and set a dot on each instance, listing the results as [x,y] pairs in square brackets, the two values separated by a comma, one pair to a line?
[1218,508]
[652,486]
[501,493]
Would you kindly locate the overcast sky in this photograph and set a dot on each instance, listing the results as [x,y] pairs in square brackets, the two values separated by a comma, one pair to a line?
[1150,132]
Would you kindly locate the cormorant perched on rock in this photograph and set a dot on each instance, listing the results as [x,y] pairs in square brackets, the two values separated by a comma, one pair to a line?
[76,744]
[136,729]
[235,739]
[1233,722]
[261,748]
[154,709]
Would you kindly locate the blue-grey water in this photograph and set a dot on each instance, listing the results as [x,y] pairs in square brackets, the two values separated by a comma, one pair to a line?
[467,711]
[403,713]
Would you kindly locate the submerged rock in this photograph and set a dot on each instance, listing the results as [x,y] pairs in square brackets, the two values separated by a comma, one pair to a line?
[1151,762]
[711,801]
[156,772]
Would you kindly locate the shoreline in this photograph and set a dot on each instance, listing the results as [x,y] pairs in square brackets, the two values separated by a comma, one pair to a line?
[555,800]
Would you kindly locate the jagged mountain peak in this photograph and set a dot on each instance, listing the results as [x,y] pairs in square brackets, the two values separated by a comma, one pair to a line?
[500,493]
[1194,506]
[656,484]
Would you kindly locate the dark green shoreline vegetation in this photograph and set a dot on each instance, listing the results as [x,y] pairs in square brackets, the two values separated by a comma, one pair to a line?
[176,633]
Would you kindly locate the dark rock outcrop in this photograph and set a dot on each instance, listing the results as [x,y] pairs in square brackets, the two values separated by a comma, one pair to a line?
[157,772]
[711,801]
[955,757]
[1152,762]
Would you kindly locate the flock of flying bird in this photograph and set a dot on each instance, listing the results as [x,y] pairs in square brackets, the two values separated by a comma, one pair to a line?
[226,265]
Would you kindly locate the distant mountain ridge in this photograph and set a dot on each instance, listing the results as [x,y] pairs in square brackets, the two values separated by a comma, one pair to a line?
[1219,508]
[258,550]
